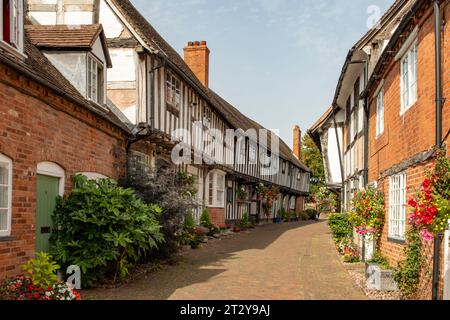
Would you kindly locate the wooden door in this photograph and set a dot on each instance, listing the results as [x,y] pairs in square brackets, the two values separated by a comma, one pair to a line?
[47,192]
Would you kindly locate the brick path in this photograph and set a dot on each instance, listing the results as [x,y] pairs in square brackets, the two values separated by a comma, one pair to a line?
[291,261]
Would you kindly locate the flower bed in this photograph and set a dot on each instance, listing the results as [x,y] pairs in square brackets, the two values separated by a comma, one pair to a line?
[22,288]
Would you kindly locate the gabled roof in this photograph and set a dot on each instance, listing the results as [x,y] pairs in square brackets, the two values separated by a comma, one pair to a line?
[243,122]
[154,40]
[40,69]
[391,50]
[67,37]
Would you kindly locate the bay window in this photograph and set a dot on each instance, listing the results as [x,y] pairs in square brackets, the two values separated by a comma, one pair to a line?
[216,189]
[5,195]
[11,24]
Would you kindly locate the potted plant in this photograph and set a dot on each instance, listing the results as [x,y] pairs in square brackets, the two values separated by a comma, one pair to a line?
[241,194]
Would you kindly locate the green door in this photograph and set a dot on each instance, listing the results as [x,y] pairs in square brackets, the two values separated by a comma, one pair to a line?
[47,192]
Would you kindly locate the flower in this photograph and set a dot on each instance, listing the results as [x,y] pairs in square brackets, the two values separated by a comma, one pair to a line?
[426,235]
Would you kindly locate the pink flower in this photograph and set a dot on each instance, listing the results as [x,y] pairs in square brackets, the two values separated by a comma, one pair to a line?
[426,235]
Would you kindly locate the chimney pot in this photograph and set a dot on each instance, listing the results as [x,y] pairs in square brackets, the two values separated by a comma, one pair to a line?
[197,43]
[203,43]
[190,44]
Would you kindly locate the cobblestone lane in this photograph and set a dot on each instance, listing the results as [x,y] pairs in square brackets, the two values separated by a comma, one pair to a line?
[289,261]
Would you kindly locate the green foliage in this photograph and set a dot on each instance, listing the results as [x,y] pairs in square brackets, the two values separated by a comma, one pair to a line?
[380,260]
[189,222]
[312,157]
[245,222]
[312,214]
[340,226]
[174,192]
[42,270]
[304,216]
[205,219]
[367,215]
[350,258]
[104,229]
[408,271]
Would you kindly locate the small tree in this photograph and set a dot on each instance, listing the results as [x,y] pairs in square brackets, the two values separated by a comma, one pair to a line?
[175,192]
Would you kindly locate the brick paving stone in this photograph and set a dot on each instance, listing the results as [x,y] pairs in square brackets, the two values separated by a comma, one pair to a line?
[291,261]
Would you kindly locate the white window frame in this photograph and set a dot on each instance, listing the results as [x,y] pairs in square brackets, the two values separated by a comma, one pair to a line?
[16,29]
[409,77]
[7,162]
[380,112]
[397,206]
[92,73]
[213,189]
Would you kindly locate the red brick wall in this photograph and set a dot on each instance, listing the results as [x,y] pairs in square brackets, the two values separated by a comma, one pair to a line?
[407,135]
[217,216]
[38,126]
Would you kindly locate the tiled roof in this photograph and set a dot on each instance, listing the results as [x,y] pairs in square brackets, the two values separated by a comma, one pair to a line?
[63,36]
[41,69]
[154,40]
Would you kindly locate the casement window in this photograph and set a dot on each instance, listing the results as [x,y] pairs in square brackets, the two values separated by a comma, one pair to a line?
[252,152]
[216,189]
[397,206]
[11,23]
[5,195]
[380,113]
[408,78]
[95,80]
[173,90]
[283,170]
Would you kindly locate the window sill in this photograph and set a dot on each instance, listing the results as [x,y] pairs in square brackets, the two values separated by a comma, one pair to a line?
[396,240]
[11,50]
[406,109]
[6,238]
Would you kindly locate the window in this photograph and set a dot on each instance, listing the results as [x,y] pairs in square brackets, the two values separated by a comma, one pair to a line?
[380,113]
[397,206]
[252,152]
[408,76]
[5,195]
[284,167]
[11,25]
[94,80]
[173,90]
[216,189]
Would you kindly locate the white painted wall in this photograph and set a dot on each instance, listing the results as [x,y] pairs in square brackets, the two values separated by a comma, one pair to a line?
[112,26]
[124,65]
[333,155]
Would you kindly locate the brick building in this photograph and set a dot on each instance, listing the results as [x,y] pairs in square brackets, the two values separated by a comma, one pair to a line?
[49,131]
[402,121]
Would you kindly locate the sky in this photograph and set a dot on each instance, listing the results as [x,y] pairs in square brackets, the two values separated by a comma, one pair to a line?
[277,61]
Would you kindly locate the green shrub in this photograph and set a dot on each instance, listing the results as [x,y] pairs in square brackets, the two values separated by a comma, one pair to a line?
[245,222]
[350,258]
[312,214]
[340,226]
[104,229]
[42,270]
[304,216]
[189,222]
[205,219]
[380,260]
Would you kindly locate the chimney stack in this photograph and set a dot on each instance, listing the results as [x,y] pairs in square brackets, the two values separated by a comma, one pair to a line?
[297,142]
[196,56]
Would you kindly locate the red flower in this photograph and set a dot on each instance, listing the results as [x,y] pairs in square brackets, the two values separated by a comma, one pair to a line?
[36,296]
[412,203]
[426,184]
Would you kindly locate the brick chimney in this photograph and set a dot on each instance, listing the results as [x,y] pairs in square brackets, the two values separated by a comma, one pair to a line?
[297,142]
[196,56]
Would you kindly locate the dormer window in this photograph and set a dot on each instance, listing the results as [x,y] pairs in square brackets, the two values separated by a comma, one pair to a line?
[95,79]
[11,24]
[80,53]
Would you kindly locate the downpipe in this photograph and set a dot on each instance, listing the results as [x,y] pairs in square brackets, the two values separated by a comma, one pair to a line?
[439,100]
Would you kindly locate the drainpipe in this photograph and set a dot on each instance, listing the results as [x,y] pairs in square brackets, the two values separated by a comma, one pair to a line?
[438,238]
